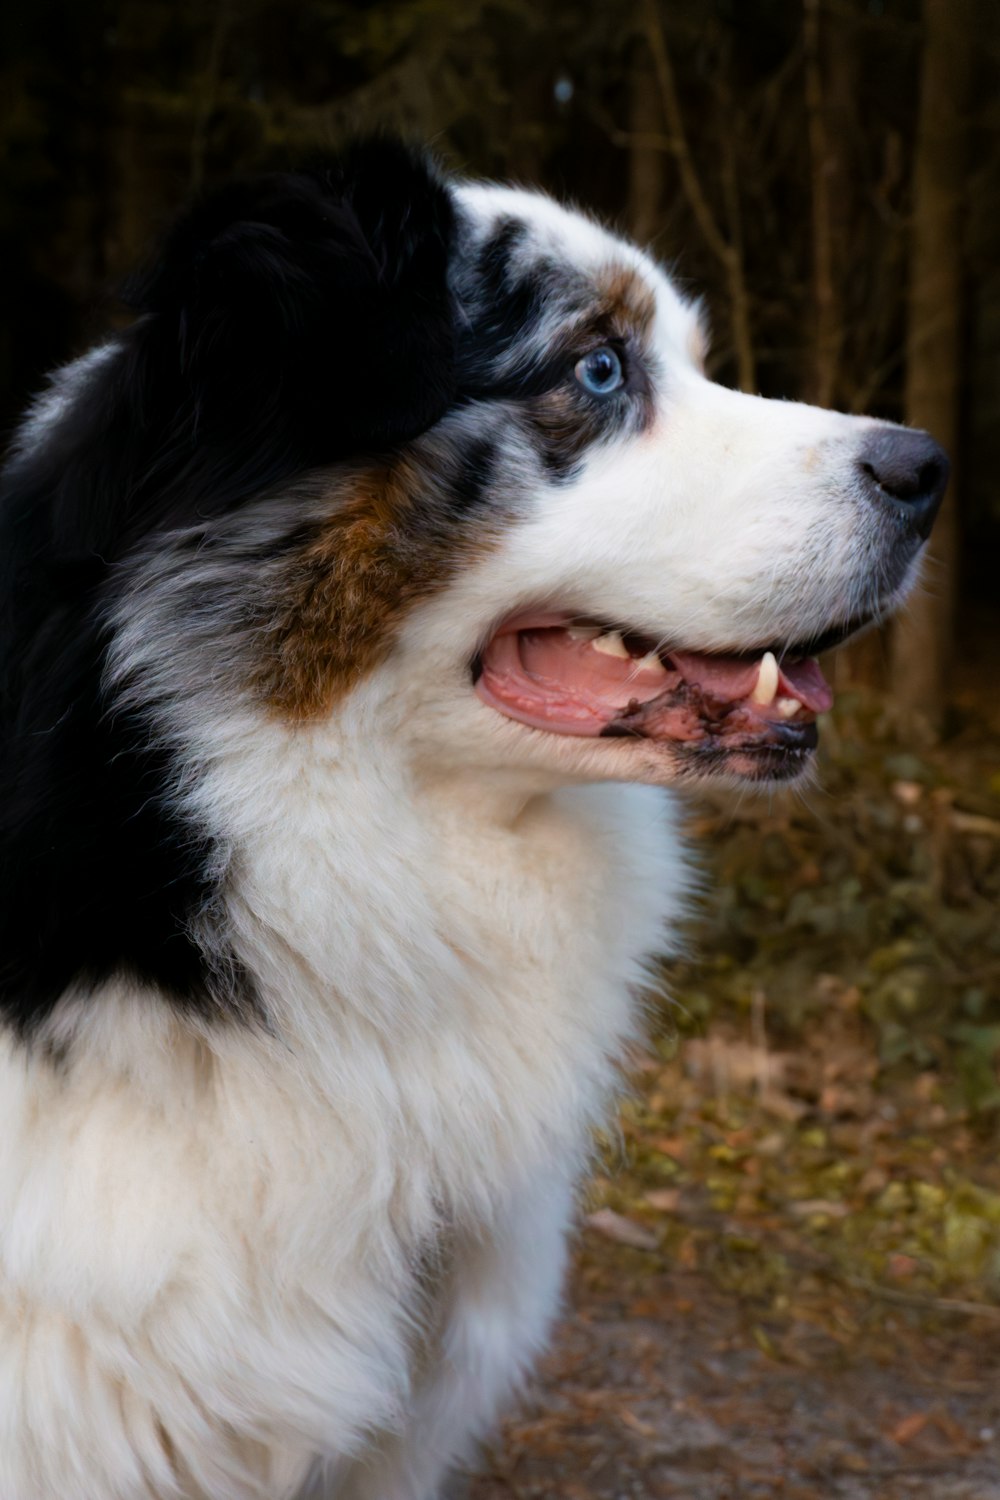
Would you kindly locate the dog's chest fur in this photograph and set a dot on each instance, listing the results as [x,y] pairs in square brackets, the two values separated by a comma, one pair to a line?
[271,1217]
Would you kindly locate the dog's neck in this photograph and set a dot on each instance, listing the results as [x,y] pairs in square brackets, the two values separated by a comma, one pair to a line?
[367,870]
[465,929]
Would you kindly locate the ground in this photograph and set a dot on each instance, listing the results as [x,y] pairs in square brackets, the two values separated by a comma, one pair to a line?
[787,1280]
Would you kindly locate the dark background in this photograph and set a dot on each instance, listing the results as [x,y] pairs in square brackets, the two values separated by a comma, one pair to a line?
[790,1283]
[774,165]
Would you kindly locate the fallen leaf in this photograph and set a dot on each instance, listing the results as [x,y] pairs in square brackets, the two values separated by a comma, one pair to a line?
[764,1342]
[781,1106]
[670,1145]
[665,1199]
[687,1254]
[910,1427]
[807,1207]
[615,1226]
[953,1431]
[642,1428]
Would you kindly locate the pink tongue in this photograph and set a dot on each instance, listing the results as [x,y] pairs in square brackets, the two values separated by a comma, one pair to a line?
[544,677]
[804,680]
[585,673]
[728,678]
[732,678]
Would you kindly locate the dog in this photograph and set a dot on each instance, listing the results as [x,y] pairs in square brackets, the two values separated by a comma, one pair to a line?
[360,600]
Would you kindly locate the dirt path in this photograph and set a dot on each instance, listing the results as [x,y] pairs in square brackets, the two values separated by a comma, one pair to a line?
[785,1290]
[686,1405]
[788,1282]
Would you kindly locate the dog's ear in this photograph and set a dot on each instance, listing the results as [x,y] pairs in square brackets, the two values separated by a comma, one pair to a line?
[309,313]
[289,323]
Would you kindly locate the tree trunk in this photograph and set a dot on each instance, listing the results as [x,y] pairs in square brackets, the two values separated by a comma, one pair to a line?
[922,642]
[645,162]
[727,251]
[831,88]
[827,311]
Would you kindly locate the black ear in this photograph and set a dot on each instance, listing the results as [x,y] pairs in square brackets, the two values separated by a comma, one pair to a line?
[290,322]
[308,314]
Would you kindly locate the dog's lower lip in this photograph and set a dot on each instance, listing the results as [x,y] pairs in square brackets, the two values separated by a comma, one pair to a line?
[569,675]
[752,763]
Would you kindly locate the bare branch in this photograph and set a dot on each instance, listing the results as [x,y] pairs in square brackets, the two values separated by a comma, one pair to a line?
[208,90]
[739,296]
[700,206]
[728,251]
[827,326]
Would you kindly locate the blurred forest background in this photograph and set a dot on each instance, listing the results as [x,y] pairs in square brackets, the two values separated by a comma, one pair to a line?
[815,1169]
[826,171]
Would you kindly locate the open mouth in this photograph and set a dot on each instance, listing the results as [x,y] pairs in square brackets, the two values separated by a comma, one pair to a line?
[753,713]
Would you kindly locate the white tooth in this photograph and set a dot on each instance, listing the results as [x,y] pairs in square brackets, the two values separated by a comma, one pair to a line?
[767,681]
[582,632]
[787,708]
[650,663]
[612,644]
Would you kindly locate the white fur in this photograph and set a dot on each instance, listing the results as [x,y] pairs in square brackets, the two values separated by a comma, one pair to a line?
[221,1234]
[314,1258]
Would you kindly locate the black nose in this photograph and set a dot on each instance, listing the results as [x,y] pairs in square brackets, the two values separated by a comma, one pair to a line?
[907,471]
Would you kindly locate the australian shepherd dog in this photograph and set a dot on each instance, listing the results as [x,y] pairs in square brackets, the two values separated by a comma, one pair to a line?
[358,603]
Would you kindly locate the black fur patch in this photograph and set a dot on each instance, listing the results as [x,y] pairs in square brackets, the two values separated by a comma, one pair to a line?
[527,320]
[506,307]
[290,322]
[470,486]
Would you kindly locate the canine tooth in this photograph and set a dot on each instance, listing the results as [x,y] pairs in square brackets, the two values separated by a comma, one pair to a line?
[767,681]
[612,644]
[786,708]
[582,632]
[650,663]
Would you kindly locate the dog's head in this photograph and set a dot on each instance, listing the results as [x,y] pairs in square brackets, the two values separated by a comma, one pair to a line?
[396,462]
[662,558]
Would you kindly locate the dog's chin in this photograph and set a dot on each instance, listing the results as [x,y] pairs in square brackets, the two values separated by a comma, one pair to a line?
[663,762]
[766,765]
[615,704]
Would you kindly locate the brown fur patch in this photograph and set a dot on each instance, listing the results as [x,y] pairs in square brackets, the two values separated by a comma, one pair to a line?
[389,542]
[392,538]
[627,303]
[567,426]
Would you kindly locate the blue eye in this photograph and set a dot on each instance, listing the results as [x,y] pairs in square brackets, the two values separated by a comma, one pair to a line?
[600,372]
